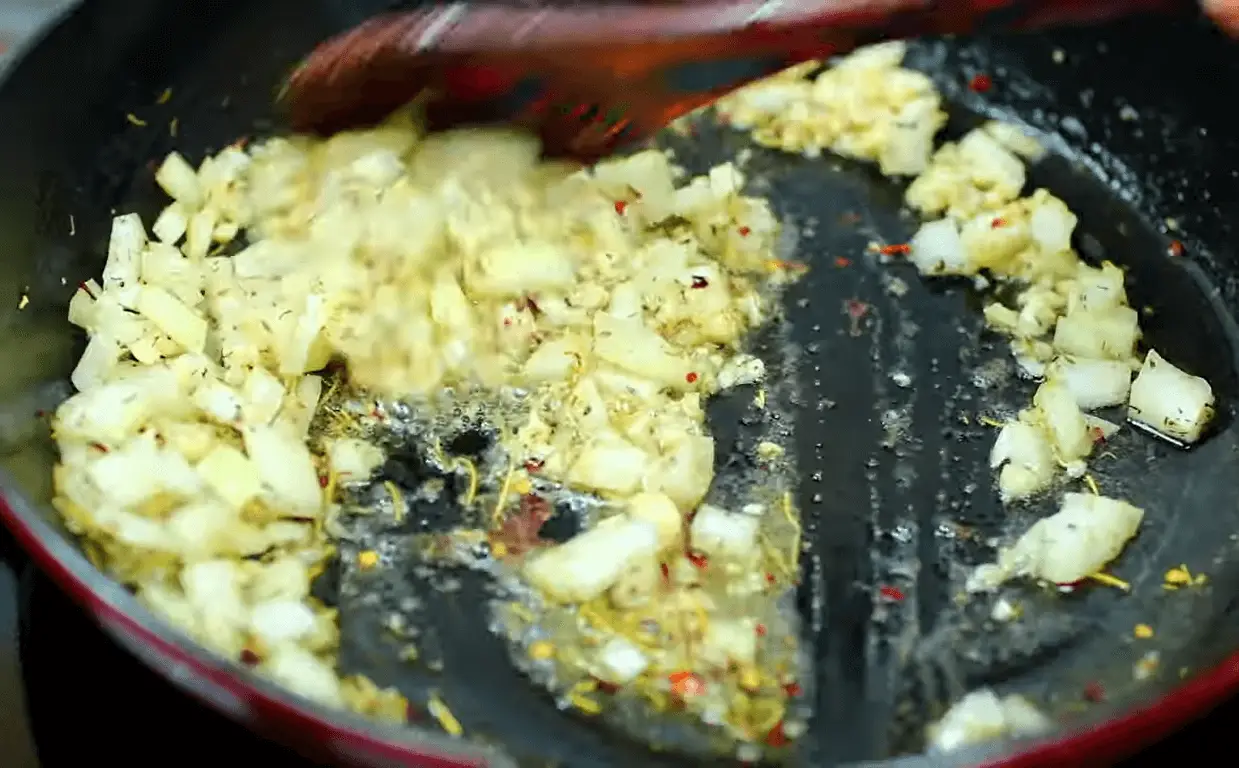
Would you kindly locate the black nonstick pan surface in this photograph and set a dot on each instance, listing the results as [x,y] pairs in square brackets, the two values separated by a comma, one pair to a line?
[885,413]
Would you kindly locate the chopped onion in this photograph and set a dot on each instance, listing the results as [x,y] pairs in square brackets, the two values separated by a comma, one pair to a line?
[1169,401]
[982,716]
[1052,224]
[1093,383]
[1027,460]
[660,511]
[588,564]
[937,249]
[621,661]
[1104,334]
[717,532]
[1079,540]
[1063,421]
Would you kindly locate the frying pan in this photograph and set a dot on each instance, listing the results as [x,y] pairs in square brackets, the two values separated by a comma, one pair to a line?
[897,499]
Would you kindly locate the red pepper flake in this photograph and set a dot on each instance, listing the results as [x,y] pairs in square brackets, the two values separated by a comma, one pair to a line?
[249,658]
[981,83]
[891,593]
[1097,434]
[687,684]
[40,414]
[85,288]
[898,249]
[1094,692]
[507,321]
[665,570]
[533,465]
[761,630]
[842,261]
[621,206]
[777,738]
[769,578]
[323,480]
[99,447]
[998,223]
[700,282]
[691,377]
[1176,248]
[744,231]
[697,559]
[793,689]
[856,310]
[520,532]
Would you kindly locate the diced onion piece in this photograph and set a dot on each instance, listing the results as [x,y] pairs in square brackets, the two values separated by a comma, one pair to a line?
[1109,334]
[170,315]
[1079,540]
[1099,289]
[109,413]
[517,269]
[262,395]
[1027,460]
[992,162]
[585,566]
[1063,422]
[82,307]
[740,370]
[178,178]
[730,641]
[219,401]
[551,361]
[937,249]
[1093,383]
[660,511]
[684,471]
[304,674]
[609,464]
[1016,139]
[139,471]
[287,470]
[993,248]
[171,224]
[620,661]
[125,246]
[1051,224]
[719,533]
[637,585]
[214,589]
[276,622]
[635,347]
[232,476]
[352,459]
[1169,401]
[981,717]
[200,233]
[97,363]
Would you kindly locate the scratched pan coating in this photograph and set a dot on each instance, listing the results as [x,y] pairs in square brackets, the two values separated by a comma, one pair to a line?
[882,405]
